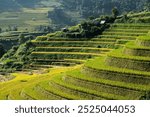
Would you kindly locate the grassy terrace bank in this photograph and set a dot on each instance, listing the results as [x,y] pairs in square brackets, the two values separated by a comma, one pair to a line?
[84,48]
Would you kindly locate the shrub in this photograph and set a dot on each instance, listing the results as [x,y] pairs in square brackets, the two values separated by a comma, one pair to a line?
[23,81]
[17,65]
[2,51]
[8,63]
[98,46]
[115,12]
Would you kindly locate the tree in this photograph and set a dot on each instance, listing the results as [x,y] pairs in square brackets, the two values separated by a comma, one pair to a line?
[14,28]
[91,18]
[21,38]
[2,50]
[115,12]
[0,30]
[9,28]
[147,5]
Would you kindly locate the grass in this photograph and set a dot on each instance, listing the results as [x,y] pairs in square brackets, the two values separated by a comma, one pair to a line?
[132,25]
[102,87]
[16,85]
[67,39]
[63,55]
[143,41]
[44,93]
[60,90]
[37,10]
[121,60]
[99,65]
[80,42]
[74,44]
[79,39]
[36,23]
[104,39]
[144,38]
[115,87]
[124,33]
[72,49]
[23,20]
[118,53]
[117,36]
[47,88]
[75,60]
[101,95]
[99,69]
[132,45]
[79,75]
[141,14]
[35,94]
[65,62]
[127,30]
[135,50]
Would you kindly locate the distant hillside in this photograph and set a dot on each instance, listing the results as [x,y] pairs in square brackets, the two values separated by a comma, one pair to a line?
[97,7]
[85,7]
[15,5]
[69,12]
[8,5]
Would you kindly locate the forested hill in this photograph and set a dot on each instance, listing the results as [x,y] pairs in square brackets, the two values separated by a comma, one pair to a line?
[96,7]
[60,13]
[85,7]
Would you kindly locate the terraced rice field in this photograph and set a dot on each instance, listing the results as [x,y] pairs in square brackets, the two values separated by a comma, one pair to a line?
[111,77]
[143,16]
[55,51]
[25,86]
[107,73]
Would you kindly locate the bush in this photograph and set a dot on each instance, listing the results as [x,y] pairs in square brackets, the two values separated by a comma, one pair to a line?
[2,51]
[17,65]
[99,46]
[95,30]
[8,63]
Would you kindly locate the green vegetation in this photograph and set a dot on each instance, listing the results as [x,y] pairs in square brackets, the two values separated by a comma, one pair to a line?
[115,12]
[18,57]
[142,17]
[133,49]
[106,78]
[2,50]
[114,60]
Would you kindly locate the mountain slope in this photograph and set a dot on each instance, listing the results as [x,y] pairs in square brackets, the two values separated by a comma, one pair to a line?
[84,7]
[70,12]
[110,77]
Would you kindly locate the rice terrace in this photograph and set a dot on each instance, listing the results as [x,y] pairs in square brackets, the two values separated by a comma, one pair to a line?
[78,55]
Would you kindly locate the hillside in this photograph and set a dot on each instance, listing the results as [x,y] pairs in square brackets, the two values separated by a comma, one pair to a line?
[102,6]
[111,64]
[29,15]
[26,15]
[16,5]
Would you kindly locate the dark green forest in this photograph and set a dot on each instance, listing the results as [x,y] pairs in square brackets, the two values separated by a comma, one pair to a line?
[97,7]
[72,12]
[84,7]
